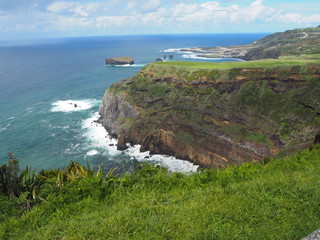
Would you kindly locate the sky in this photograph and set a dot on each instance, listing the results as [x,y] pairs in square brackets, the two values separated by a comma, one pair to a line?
[27,19]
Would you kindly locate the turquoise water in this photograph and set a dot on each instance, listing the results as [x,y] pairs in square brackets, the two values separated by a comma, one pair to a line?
[41,81]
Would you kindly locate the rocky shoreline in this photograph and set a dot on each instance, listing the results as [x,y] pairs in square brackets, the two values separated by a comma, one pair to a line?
[218,52]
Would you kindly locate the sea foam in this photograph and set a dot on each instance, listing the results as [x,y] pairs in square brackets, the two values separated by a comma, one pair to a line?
[178,50]
[193,56]
[73,105]
[3,128]
[128,65]
[171,163]
[92,152]
[98,138]
[6,124]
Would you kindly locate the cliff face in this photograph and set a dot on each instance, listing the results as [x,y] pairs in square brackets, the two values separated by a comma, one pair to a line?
[215,117]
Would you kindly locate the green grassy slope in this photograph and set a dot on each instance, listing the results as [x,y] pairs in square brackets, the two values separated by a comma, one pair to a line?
[270,200]
[284,61]
[291,42]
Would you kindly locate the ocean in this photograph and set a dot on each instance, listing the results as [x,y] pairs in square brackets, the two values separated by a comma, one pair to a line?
[41,81]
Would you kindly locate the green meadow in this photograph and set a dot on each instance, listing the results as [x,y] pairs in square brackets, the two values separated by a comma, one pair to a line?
[274,199]
[284,61]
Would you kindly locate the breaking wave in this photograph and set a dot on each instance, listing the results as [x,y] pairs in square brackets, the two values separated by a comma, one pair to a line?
[128,65]
[73,105]
[193,56]
[99,141]
[98,137]
[6,124]
[171,163]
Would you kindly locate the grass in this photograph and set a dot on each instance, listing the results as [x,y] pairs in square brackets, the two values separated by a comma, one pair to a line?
[277,199]
[241,133]
[245,64]
[168,95]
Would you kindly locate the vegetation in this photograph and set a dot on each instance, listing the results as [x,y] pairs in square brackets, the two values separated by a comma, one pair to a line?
[273,199]
[284,61]
[291,42]
[295,42]
[243,133]
[263,102]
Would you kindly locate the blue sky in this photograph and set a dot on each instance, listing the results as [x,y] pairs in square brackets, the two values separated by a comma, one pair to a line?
[24,19]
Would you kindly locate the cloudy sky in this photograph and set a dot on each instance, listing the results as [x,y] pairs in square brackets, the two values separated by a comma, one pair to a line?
[22,19]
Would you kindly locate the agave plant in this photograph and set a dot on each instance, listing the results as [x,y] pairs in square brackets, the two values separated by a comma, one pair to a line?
[28,182]
[76,171]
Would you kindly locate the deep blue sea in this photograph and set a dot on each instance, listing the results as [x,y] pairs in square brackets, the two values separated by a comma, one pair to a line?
[40,81]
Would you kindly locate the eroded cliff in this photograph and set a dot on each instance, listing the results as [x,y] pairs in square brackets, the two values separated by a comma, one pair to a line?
[215,117]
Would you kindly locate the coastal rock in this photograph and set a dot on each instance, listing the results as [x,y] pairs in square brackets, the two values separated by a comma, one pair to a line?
[122,142]
[159,60]
[114,107]
[119,61]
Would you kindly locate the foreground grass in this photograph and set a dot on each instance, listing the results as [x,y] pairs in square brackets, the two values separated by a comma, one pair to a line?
[288,61]
[271,200]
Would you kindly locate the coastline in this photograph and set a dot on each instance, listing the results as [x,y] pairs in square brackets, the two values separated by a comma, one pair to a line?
[104,139]
[232,52]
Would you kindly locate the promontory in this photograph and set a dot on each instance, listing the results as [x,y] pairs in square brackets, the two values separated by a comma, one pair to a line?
[216,114]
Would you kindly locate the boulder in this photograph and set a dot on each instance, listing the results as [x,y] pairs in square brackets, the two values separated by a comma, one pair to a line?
[159,60]
[122,142]
[119,61]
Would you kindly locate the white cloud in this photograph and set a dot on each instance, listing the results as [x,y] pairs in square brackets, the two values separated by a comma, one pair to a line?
[74,8]
[61,6]
[297,18]
[151,5]
[182,9]
[96,7]
[145,6]
[211,6]
[69,7]
[113,21]
[131,5]
[121,16]
[207,14]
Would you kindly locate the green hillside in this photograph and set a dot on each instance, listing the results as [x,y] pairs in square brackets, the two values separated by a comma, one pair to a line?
[263,63]
[291,42]
[273,199]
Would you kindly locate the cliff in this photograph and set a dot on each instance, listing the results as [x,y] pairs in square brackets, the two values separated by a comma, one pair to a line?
[216,116]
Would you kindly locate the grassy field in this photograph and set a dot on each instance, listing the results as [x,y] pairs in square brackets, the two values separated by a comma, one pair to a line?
[286,61]
[274,199]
